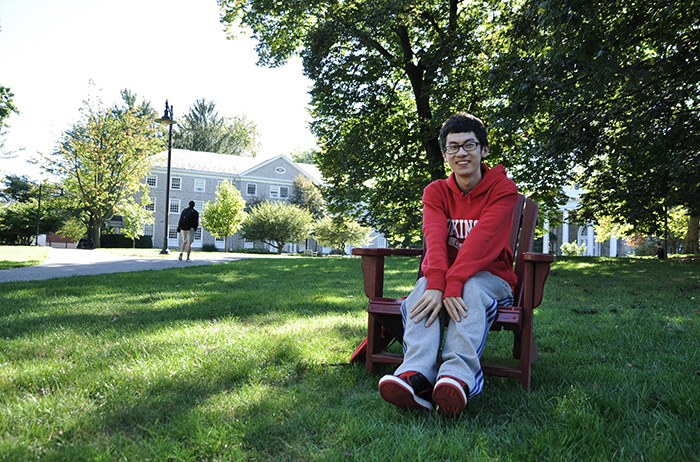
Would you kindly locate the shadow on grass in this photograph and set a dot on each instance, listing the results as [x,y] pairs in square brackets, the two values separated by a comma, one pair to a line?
[254,294]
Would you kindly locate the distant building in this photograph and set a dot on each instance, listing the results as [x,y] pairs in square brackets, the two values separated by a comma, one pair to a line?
[581,234]
[196,175]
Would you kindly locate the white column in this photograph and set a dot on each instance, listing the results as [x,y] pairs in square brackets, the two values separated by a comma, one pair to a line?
[613,247]
[545,238]
[565,227]
[590,242]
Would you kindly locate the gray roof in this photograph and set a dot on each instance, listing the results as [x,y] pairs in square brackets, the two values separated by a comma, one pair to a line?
[228,164]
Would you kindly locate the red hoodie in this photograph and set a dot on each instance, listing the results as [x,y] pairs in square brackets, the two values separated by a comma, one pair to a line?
[468,233]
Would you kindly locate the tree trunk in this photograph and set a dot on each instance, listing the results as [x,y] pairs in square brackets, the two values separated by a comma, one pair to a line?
[96,235]
[692,236]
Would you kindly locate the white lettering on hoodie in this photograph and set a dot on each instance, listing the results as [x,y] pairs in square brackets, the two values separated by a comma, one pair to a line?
[458,230]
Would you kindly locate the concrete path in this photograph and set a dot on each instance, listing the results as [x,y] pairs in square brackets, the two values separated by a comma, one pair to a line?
[77,262]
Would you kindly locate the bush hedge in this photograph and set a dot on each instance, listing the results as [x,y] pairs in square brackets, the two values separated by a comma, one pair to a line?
[119,241]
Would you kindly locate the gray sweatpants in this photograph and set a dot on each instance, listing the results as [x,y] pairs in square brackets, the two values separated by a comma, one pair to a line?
[464,341]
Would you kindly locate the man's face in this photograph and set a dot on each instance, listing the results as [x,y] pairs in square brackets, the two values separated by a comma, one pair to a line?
[466,161]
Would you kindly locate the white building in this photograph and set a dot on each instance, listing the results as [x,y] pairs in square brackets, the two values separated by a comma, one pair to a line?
[580,234]
[195,176]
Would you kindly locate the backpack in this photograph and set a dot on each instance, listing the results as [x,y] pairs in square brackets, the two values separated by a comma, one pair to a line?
[187,219]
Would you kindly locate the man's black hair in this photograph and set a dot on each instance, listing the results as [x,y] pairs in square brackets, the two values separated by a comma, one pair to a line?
[192,204]
[462,123]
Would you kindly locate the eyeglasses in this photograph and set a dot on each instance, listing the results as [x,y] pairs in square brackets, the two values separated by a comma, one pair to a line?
[469,146]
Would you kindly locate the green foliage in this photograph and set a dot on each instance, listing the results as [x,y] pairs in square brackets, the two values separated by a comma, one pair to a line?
[307,195]
[135,215]
[572,249]
[18,220]
[226,214]
[305,157]
[7,107]
[276,223]
[72,228]
[121,241]
[209,248]
[607,228]
[338,232]
[386,75]
[102,159]
[18,189]
[610,87]
[202,129]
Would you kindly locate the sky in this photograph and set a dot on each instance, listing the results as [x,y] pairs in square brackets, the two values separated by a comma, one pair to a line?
[51,51]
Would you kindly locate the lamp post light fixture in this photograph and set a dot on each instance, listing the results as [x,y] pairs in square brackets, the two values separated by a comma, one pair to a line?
[167,119]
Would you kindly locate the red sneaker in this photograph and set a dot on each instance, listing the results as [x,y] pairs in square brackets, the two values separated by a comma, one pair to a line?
[409,390]
[450,394]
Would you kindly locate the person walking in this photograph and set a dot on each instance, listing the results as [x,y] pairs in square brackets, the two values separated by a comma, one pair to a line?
[187,226]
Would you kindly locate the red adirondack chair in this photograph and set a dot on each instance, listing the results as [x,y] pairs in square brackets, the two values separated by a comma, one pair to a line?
[385,323]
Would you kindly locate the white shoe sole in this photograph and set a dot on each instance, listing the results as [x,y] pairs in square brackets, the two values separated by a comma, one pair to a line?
[399,393]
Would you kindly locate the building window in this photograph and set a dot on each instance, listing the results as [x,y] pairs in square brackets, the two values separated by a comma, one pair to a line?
[148,230]
[174,205]
[176,183]
[152,181]
[279,192]
[198,234]
[252,189]
[199,184]
[152,206]
[198,206]
[280,170]
[172,232]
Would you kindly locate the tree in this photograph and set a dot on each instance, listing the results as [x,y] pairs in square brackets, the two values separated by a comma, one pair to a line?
[19,210]
[276,223]
[72,228]
[611,87]
[386,75]
[225,216]
[305,157]
[102,159]
[202,129]
[135,215]
[18,221]
[307,195]
[6,109]
[338,232]
[18,189]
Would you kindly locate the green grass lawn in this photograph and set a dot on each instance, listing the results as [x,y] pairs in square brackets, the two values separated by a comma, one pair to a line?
[19,255]
[248,361]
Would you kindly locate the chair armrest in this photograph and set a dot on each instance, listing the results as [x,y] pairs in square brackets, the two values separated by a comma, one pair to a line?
[372,263]
[538,257]
[535,275]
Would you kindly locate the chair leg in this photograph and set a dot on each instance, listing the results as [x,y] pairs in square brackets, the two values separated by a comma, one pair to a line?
[374,331]
[517,344]
[527,342]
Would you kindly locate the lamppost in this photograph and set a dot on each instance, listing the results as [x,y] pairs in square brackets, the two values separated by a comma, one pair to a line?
[167,119]
[38,215]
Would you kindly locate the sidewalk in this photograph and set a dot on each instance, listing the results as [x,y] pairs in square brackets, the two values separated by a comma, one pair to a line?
[77,262]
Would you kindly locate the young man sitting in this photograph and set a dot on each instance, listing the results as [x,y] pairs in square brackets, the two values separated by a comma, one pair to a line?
[468,272]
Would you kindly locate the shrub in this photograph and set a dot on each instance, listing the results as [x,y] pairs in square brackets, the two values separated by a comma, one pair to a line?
[119,241]
[263,251]
[209,248]
[571,249]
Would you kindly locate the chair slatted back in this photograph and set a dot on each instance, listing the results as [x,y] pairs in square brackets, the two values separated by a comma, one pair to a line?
[527,210]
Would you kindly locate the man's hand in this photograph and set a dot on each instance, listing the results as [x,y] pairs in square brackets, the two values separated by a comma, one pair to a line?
[456,308]
[429,304]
